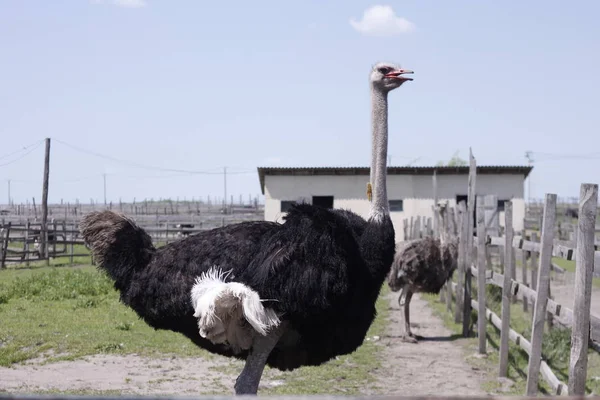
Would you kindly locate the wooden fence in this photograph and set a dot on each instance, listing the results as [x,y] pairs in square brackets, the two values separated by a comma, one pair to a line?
[475,260]
[19,242]
[144,207]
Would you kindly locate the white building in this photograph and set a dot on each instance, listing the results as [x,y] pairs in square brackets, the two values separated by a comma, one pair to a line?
[410,189]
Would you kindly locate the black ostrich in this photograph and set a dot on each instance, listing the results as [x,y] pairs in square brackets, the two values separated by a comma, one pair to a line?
[422,265]
[284,295]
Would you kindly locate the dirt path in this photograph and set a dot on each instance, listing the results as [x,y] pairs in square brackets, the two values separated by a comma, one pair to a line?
[563,287]
[121,374]
[436,365]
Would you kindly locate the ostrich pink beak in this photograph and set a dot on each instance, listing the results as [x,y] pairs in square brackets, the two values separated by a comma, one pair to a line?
[397,74]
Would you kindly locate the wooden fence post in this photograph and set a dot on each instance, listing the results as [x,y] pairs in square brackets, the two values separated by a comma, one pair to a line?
[543,280]
[513,261]
[451,227]
[534,263]
[460,271]
[5,246]
[492,224]
[55,237]
[468,257]
[550,316]
[506,289]
[481,260]
[26,246]
[524,271]
[437,234]
[2,228]
[416,227]
[452,221]
[440,223]
[44,228]
[436,215]
[584,260]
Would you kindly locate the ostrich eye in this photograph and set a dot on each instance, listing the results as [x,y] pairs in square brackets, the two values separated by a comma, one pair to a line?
[384,70]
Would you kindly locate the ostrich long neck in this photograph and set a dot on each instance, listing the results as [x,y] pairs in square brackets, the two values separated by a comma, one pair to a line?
[444,230]
[373,153]
[379,121]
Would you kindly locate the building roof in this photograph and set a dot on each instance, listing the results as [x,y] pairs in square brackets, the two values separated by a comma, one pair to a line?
[314,171]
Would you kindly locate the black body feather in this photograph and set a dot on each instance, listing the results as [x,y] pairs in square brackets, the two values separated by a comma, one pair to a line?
[323,269]
[418,263]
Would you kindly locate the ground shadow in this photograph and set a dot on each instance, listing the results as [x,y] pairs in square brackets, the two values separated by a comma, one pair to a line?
[420,338]
[450,338]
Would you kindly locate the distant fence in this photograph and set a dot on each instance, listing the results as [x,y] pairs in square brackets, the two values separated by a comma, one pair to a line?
[567,214]
[145,212]
[19,241]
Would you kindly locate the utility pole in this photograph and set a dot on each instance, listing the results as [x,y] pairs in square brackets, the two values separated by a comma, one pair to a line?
[104,175]
[529,157]
[225,189]
[9,192]
[44,230]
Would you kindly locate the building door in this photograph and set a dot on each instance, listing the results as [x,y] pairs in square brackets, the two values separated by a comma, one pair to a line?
[323,201]
[464,197]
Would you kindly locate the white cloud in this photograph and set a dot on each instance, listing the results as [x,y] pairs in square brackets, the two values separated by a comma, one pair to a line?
[130,3]
[123,3]
[381,20]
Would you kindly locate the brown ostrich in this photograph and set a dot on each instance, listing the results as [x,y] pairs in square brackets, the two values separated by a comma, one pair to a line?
[422,265]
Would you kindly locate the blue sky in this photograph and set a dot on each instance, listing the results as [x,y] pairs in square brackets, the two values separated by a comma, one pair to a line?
[196,86]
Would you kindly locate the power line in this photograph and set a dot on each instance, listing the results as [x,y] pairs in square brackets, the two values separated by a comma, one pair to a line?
[24,148]
[137,177]
[22,156]
[132,164]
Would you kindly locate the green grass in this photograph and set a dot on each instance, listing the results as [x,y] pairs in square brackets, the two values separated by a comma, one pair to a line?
[53,314]
[556,347]
[569,266]
[70,313]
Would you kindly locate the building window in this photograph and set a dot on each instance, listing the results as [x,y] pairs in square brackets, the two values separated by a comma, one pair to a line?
[286,205]
[396,205]
[501,205]
[461,197]
[323,201]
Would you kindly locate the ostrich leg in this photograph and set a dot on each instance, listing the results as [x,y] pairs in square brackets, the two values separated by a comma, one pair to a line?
[401,297]
[247,382]
[408,336]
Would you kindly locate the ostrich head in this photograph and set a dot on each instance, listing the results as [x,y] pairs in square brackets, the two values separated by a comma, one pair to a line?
[386,76]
